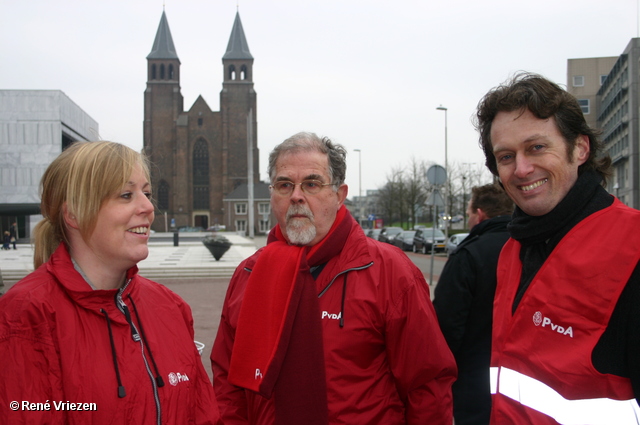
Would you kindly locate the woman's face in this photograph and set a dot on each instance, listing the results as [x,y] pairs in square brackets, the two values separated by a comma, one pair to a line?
[123,226]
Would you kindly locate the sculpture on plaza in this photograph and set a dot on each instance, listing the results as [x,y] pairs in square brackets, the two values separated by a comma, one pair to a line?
[217,245]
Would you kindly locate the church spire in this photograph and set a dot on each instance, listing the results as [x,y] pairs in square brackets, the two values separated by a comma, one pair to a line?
[237,47]
[163,47]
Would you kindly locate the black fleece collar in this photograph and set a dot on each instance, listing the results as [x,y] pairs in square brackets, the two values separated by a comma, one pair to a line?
[529,230]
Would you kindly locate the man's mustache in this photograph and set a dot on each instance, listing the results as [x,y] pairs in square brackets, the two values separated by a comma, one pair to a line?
[299,210]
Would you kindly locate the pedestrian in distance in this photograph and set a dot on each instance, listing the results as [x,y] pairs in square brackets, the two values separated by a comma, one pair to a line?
[464,301]
[84,339]
[13,232]
[325,325]
[6,240]
[566,324]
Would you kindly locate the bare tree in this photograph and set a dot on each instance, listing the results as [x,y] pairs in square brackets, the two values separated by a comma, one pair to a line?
[390,196]
[417,189]
[403,196]
[463,177]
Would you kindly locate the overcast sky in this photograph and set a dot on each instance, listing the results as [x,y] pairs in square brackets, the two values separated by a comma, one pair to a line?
[369,74]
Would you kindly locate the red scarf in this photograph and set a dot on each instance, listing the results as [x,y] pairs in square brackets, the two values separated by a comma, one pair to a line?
[278,345]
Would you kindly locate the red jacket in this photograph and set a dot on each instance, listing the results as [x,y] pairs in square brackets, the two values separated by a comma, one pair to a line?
[388,365]
[541,356]
[56,350]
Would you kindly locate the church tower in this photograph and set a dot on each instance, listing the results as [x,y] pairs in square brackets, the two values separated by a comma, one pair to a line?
[163,103]
[238,108]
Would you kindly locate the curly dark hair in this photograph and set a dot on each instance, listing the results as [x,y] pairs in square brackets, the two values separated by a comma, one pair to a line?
[545,99]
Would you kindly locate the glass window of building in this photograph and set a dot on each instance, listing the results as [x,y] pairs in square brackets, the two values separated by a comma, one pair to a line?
[241,208]
[584,105]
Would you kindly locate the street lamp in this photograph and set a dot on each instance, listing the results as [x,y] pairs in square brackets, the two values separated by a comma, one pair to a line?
[359,184]
[446,167]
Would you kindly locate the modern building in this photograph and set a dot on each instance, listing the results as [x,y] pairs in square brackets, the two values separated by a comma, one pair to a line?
[619,116]
[584,79]
[618,111]
[35,127]
[200,157]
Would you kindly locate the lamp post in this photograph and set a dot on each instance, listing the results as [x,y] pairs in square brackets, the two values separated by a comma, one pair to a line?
[464,191]
[359,185]
[446,167]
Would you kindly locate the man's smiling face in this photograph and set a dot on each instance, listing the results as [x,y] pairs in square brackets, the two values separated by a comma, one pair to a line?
[533,163]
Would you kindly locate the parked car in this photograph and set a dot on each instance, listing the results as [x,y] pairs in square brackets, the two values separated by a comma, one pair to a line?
[387,233]
[404,240]
[453,242]
[457,218]
[374,233]
[423,240]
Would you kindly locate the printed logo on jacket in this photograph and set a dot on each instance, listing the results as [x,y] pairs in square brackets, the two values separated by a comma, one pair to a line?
[545,322]
[176,378]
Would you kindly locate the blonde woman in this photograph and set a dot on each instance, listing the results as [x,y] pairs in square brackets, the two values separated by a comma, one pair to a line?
[84,339]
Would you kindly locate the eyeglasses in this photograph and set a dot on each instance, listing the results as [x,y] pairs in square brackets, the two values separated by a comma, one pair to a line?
[310,187]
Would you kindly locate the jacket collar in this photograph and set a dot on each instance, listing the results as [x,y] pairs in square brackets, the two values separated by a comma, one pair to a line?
[61,267]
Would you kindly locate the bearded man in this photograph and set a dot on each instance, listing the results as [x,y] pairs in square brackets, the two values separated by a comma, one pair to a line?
[324,325]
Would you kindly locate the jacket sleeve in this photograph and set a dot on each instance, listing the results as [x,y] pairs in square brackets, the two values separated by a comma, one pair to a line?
[30,371]
[420,360]
[206,405]
[232,400]
[453,298]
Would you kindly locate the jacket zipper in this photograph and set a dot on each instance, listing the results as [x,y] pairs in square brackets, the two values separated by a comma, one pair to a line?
[326,288]
[136,337]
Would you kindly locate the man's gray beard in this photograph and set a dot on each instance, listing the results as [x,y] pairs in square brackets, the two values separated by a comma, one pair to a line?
[298,231]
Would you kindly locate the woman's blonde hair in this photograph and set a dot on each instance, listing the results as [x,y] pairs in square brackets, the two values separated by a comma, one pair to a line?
[82,177]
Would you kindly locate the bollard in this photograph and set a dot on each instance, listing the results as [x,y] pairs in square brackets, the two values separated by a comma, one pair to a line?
[175,238]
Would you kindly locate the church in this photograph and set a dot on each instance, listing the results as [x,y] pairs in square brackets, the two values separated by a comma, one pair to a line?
[201,159]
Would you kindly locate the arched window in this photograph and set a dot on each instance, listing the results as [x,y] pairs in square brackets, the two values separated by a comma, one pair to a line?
[232,72]
[170,72]
[162,71]
[163,196]
[243,72]
[201,176]
[153,71]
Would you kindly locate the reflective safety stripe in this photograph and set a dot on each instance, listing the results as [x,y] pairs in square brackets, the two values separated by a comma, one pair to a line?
[539,396]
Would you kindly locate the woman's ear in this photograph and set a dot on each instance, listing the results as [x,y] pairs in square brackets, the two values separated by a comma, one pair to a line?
[69,218]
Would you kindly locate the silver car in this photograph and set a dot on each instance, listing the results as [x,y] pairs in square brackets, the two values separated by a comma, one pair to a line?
[453,242]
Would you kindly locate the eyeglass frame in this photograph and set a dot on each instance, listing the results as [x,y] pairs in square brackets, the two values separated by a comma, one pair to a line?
[293,187]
